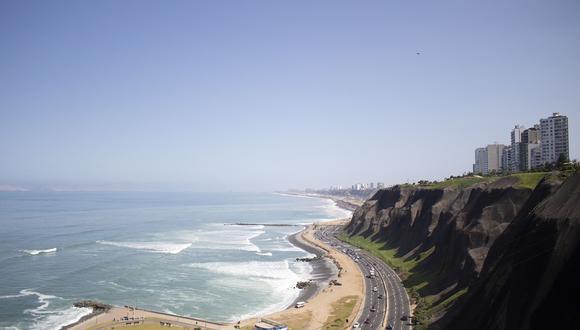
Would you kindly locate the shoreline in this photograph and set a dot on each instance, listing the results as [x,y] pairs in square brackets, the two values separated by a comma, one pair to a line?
[345,203]
[324,270]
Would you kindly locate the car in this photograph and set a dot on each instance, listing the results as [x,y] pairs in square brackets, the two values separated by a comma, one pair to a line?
[380,296]
[367,321]
[356,325]
[375,289]
[373,309]
[389,327]
[404,318]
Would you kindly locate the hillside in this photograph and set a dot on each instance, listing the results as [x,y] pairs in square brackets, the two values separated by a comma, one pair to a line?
[442,239]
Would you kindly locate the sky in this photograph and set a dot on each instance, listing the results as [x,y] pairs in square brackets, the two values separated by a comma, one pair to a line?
[273,95]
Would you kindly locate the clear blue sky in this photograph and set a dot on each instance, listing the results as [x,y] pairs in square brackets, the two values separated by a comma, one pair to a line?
[262,95]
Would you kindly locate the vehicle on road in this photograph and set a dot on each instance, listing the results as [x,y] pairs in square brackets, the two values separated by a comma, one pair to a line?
[367,321]
[373,309]
[404,318]
[389,327]
[380,296]
[356,325]
[375,289]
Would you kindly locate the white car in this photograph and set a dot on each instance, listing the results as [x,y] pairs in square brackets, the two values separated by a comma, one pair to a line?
[375,289]
[356,325]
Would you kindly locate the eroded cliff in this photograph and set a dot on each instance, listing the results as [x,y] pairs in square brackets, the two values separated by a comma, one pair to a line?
[458,238]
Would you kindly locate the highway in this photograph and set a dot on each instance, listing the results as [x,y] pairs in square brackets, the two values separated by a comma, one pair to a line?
[378,312]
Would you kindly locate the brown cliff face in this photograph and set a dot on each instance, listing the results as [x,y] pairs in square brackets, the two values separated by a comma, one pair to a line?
[530,276]
[467,232]
[459,224]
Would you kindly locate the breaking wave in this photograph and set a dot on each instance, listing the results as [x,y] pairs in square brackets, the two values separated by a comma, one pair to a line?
[49,319]
[37,252]
[157,247]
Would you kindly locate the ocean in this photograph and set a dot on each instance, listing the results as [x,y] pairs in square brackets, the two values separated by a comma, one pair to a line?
[172,252]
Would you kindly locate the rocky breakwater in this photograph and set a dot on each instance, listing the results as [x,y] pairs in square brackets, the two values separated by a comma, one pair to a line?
[443,240]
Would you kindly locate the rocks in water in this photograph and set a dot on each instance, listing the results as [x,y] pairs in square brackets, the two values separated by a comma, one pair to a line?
[308,259]
[95,305]
[302,284]
[334,282]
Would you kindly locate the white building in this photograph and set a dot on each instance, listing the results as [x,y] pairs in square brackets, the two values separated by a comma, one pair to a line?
[488,159]
[554,138]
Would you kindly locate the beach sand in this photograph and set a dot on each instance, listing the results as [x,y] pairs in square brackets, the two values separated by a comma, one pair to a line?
[318,310]
[323,301]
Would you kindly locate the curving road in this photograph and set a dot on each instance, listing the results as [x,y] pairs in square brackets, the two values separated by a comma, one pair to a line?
[378,312]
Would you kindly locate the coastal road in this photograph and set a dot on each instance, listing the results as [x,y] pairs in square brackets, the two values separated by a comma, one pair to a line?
[378,312]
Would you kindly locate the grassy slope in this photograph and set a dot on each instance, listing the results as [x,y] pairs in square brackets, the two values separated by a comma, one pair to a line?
[529,180]
[525,180]
[462,182]
[413,280]
[340,312]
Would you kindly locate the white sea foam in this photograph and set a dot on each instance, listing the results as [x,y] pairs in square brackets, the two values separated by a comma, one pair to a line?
[277,275]
[256,269]
[59,318]
[49,319]
[42,298]
[157,247]
[37,252]
[229,238]
[268,254]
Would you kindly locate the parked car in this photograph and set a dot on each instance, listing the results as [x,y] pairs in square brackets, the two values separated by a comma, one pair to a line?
[356,325]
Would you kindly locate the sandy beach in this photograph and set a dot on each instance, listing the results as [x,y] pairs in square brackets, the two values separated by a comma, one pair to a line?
[321,309]
[324,302]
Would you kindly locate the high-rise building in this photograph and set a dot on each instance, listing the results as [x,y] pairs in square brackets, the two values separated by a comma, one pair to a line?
[516,144]
[506,159]
[530,141]
[488,159]
[480,165]
[554,138]
[536,156]
[494,154]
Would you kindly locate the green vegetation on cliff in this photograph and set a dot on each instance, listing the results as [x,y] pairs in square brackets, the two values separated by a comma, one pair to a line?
[522,180]
[407,269]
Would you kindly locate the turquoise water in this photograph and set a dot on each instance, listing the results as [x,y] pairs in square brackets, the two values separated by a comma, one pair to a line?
[164,251]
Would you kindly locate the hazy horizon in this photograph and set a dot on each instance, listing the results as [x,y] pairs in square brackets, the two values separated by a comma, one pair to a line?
[262,96]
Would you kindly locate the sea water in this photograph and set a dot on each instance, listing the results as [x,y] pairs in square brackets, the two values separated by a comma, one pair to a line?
[172,252]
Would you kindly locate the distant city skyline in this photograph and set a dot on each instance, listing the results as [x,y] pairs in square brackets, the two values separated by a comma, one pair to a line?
[262,96]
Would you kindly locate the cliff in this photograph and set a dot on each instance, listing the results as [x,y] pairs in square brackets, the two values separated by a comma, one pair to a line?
[530,276]
[455,240]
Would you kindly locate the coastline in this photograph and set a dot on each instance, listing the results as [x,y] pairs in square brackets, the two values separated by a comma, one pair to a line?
[345,203]
[324,270]
[319,310]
